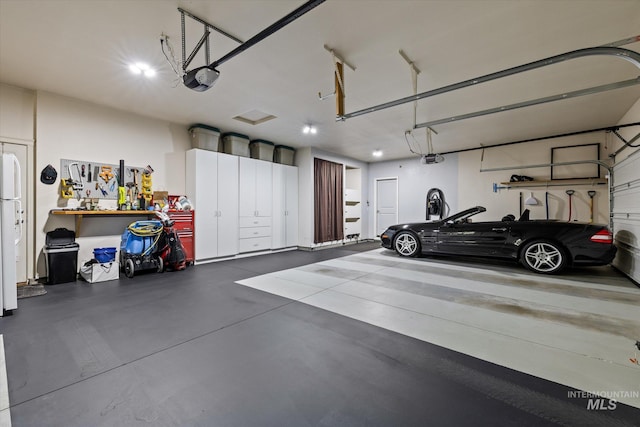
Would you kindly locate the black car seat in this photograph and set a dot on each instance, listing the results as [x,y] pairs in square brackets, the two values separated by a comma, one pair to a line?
[524,216]
[508,218]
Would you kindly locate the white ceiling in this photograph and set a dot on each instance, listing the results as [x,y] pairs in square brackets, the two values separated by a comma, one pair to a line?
[81,48]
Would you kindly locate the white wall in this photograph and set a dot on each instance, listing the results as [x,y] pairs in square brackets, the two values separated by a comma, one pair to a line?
[67,128]
[414,181]
[16,113]
[304,160]
[476,188]
[632,116]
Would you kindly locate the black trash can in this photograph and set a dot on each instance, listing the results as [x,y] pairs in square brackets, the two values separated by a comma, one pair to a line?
[61,252]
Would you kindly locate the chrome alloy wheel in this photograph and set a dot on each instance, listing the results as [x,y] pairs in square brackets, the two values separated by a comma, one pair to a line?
[543,257]
[406,244]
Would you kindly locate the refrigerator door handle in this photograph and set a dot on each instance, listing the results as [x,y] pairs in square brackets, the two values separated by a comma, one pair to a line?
[18,188]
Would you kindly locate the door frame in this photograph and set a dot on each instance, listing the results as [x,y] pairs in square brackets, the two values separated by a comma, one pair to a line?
[28,206]
[375,203]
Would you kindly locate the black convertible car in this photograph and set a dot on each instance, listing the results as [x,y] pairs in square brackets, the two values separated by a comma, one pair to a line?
[544,246]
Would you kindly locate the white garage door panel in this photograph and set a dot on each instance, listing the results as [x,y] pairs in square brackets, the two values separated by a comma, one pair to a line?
[626,215]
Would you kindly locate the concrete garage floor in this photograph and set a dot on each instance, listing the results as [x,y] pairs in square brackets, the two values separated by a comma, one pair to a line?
[195,348]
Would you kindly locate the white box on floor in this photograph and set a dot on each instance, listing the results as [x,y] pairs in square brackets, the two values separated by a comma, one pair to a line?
[100,272]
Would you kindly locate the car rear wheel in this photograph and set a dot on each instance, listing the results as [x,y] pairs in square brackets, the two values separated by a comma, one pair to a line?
[407,244]
[543,257]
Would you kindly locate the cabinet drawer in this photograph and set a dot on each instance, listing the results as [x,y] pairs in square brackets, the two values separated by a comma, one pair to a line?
[256,244]
[251,232]
[255,221]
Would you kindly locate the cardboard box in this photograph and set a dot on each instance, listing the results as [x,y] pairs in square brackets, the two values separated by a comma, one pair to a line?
[97,272]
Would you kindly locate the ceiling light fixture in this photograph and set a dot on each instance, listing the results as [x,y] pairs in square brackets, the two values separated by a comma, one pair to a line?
[142,68]
[309,129]
[377,153]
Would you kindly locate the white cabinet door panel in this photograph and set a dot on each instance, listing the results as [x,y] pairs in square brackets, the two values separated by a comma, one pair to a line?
[227,205]
[247,181]
[291,206]
[264,188]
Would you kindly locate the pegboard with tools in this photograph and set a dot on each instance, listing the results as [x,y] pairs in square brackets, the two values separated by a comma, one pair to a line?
[86,179]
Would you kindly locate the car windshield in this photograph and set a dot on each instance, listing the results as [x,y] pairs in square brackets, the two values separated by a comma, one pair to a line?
[464,215]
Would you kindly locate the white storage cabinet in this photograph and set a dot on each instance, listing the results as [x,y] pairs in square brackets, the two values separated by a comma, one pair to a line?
[285,206]
[256,204]
[212,186]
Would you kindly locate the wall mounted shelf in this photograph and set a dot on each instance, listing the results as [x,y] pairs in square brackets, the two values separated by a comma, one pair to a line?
[556,183]
[80,214]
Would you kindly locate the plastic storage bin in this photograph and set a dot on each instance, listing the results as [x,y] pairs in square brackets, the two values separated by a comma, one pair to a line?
[104,254]
[61,252]
[284,155]
[205,137]
[261,150]
[236,144]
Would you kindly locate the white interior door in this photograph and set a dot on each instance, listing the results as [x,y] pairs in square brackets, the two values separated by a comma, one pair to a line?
[386,203]
[21,248]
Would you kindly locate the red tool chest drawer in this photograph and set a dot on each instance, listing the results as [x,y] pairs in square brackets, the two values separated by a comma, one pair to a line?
[184,229]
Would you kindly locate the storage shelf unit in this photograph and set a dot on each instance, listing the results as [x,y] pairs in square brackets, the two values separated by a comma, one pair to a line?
[352,203]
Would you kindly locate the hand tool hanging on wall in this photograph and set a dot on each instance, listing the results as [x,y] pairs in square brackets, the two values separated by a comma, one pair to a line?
[546,202]
[146,185]
[591,194]
[106,173]
[570,194]
[531,201]
[76,184]
[89,174]
[122,194]
[520,204]
[66,189]
[102,190]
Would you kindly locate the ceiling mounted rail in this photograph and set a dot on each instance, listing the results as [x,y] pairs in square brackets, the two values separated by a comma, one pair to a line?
[268,31]
[207,25]
[629,55]
[203,78]
[552,98]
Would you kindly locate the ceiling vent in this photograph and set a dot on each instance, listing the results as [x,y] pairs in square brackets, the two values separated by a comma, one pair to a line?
[254,117]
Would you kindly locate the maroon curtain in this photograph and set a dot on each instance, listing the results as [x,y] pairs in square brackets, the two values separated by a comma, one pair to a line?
[327,197]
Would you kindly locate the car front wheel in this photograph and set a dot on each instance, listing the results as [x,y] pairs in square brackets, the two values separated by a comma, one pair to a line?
[543,257]
[407,244]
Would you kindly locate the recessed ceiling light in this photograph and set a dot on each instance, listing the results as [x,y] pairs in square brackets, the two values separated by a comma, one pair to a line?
[377,153]
[309,129]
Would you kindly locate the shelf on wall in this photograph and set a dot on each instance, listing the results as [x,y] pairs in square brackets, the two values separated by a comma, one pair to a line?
[556,183]
[80,214]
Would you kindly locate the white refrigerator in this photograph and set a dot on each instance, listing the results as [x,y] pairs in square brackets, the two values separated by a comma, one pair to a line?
[10,230]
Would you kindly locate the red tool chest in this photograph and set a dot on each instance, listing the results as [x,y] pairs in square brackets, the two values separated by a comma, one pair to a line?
[184,229]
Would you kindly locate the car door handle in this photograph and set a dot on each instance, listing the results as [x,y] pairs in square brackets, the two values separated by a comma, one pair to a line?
[501,229]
